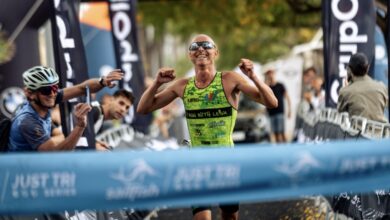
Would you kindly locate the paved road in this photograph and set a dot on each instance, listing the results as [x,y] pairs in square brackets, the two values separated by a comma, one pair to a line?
[292,209]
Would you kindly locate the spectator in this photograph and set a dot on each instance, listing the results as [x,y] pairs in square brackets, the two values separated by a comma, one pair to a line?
[276,115]
[164,118]
[114,108]
[32,129]
[318,97]
[363,96]
[305,105]
[309,75]
[106,98]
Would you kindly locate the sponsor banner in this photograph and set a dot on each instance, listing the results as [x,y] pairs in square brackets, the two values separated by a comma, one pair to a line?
[349,27]
[71,63]
[381,61]
[128,57]
[51,183]
[10,99]
[95,29]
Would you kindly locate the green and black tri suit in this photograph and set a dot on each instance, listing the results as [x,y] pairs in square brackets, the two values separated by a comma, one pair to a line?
[210,116]
[210,120]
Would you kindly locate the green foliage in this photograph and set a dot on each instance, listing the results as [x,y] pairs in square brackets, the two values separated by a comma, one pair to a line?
[182,66]
[2,49]
[257,29]
[6,50]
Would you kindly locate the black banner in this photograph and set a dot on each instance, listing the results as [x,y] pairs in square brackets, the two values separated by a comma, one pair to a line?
[349,27]
[128,58]
[70,62]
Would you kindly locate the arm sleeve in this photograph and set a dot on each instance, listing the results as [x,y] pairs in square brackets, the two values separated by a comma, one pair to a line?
[33,132]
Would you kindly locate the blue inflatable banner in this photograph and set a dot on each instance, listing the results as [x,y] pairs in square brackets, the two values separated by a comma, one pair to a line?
[54,182]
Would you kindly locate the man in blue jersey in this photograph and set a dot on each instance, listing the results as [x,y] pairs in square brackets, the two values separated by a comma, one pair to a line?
[31,128]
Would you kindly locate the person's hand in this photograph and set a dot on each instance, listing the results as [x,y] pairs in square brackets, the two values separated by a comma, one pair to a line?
[346,82]
[80,113]
[102,146]
[165,75]
[246,66]
[111,77]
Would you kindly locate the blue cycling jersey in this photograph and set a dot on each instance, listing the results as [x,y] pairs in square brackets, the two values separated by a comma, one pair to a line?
[29,130]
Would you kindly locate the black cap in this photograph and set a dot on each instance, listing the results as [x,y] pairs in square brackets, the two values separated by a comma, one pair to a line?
[358,64]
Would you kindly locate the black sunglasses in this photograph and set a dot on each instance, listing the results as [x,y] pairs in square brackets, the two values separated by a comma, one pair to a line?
[205,44]
[47,90]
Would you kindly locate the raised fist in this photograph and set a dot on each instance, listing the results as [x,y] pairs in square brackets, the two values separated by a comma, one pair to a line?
[246,66]
[165,75]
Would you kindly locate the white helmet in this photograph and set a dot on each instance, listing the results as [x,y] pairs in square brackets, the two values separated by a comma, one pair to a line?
[39,76]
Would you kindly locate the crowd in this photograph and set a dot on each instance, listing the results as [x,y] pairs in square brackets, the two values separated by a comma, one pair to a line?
[209,103]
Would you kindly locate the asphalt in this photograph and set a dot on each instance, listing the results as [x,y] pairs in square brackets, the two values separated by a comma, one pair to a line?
[286,210]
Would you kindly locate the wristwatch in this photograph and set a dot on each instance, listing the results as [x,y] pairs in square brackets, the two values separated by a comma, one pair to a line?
[101,81]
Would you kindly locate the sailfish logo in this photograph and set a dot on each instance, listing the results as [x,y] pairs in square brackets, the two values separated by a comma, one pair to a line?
[138,173]
[306,161]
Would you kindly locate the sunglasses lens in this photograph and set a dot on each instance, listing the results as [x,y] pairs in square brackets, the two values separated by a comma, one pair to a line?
[47,90]
[194,46]
[204,44]
[207,45]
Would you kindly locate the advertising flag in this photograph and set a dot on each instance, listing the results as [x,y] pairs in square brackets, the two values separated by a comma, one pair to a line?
[349,27]
[128,57]
[70,63]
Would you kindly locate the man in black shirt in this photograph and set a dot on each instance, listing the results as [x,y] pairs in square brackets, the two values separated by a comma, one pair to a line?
[276,115]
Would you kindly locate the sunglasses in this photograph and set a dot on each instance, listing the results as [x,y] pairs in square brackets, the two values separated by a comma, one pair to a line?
[47,90]
[205,44]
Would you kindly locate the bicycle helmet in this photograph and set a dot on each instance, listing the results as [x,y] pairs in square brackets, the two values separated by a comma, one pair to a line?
[39,76]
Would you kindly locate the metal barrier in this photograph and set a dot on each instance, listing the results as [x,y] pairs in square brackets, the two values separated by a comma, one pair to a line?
[386,131]
[115,135]
[343,121]
[374,129]
[332,116]
[358,123]
[354,125]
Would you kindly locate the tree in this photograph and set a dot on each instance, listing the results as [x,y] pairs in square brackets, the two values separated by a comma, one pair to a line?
[260,30]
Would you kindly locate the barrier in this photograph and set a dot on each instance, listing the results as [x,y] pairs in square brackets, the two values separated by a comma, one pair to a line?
[115,135]
[386,131]
[47,182]
[335,125]
[328,124]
